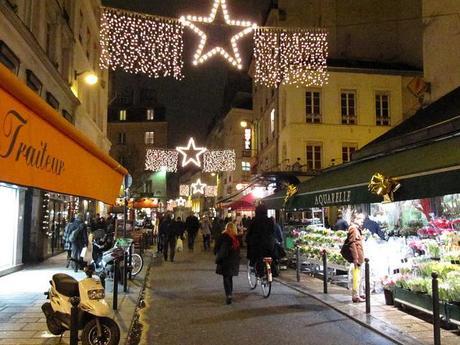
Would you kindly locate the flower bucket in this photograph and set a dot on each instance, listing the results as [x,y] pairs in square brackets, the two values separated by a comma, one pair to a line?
[389,300]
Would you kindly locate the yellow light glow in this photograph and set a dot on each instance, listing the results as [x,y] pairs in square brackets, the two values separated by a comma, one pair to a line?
[243,124]
[91,78]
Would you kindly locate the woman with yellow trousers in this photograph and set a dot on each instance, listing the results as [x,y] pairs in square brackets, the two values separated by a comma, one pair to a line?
[355,240]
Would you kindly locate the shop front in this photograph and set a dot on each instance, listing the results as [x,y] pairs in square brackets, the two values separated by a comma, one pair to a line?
[43,161]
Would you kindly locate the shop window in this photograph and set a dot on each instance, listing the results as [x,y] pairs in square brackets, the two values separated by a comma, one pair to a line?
[314,153]
[150,114]
[122,138]
[245,166]
[348,107]
[33,82]
[313,107]
[122,115]
[51,100]
[347,151]
[8,58]
[382,109]
[149,138]
[68,116]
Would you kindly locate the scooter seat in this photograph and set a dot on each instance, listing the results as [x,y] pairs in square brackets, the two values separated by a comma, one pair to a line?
[66,285]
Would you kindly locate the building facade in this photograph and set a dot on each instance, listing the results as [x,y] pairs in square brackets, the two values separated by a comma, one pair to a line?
[136,123]
[53,46]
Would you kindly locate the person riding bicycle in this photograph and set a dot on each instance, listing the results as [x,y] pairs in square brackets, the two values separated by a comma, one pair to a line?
[260,239]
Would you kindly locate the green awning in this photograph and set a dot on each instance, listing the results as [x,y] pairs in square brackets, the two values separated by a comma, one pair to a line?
[424,171]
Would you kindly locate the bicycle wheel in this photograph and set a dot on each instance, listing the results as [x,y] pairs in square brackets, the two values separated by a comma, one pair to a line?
[136,263]
[252,279]
[266,281]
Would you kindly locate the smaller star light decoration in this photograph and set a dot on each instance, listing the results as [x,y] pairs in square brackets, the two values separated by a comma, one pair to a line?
[184,190]
[198,187]
[181,202]
[210,191]
[215,161]
[161,160]
[191,153]
[234,58]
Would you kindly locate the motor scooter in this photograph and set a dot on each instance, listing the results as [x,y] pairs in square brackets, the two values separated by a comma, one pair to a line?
[93,312]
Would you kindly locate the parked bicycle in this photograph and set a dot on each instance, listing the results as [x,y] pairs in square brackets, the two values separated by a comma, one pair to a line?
[265,280]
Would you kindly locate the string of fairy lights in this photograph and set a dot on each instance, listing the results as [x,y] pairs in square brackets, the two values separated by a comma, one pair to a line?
[153,45]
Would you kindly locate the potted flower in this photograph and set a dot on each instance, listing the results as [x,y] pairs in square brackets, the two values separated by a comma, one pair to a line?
[388,286]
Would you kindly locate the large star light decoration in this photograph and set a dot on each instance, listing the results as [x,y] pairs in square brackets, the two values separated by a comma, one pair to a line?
[194,157]
[234,59]
[198,187]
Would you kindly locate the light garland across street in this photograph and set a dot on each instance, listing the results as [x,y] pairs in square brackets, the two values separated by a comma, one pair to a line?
[194,157]
[198,187]
[184,190]
[139,43]
[219,160]
[161,160]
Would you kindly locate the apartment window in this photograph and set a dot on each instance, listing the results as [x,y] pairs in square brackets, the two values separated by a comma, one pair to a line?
[150,114]
[314,156]
[33,82]
[122,114]
[51,100]
[8,58]
[272,122]
[347,151]
[68,116]
[149,138]
[348,106]
[245,166]
[313,107]
[382,109]
[122,138]
[148,186]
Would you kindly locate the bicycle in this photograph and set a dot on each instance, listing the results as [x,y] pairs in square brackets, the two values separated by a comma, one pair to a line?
[265,280]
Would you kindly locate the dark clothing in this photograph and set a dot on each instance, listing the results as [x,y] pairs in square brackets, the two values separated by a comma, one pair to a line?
[163,235]
[228,285]
[207,242]
[278,233]
[341,224]
[176,229]
[79,239]
[171,245]
[164,227]
[218,226]
[373,227]
[260,238]
[192,224]
[227,258]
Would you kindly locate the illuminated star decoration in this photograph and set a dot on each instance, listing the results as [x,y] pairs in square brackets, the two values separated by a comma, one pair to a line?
[198,187]
[234,59]
[181,202]
[187,157]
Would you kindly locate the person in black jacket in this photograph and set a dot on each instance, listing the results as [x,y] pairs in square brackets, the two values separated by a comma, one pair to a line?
[163,235]
[227,251]
[260,238]
[192,225]
[175,230]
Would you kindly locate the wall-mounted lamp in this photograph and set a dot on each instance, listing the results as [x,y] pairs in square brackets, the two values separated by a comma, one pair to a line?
[244,124]
[89,77]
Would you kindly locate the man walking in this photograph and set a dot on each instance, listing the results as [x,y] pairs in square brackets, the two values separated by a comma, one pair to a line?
[79,239]
[176,229]
[192,224]
[205,227]
[163,235]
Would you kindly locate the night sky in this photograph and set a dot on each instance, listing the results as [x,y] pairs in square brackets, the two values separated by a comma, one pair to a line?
[192,102]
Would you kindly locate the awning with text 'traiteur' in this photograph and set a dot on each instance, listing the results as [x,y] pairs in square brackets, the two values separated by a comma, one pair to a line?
[39,148]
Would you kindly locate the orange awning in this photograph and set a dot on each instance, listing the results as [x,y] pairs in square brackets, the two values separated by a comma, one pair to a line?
[39,148]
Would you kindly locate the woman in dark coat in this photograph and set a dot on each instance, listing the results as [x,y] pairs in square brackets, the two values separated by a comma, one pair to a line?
[227,251]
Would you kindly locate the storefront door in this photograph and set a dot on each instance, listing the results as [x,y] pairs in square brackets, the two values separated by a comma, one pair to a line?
[9,208]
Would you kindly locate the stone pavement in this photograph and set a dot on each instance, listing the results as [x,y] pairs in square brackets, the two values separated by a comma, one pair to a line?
[21,298]
[406,328]
[185,305]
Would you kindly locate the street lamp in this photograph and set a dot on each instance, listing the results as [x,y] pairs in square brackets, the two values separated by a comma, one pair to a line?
[244,124]
[89,77]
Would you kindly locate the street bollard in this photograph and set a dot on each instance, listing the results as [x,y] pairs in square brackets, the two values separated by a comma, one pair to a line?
[75,301]
[130,261]
[324,254]
[436,316]
[125,272]
[141,244]
[115,285]
[297,256]
[367,282]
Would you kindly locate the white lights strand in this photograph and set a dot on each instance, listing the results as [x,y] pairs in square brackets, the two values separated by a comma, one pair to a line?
[198,187]
[140,43]
[216,161]
[210,191]
[290,57]
[161,160]
[184,190]
[199,57]
[193,157]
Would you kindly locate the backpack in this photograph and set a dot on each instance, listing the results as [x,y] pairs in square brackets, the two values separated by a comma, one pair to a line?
[346,251]
[77,234]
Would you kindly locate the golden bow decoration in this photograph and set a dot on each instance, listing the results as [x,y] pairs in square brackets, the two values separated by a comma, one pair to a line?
[290,192]
[383,186]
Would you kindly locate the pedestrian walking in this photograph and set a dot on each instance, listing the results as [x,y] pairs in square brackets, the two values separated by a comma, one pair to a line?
[175,230]
[79,240]
[163,234]
[355,243]
[205,227]
[66,241]
[192,225]
[227,251]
